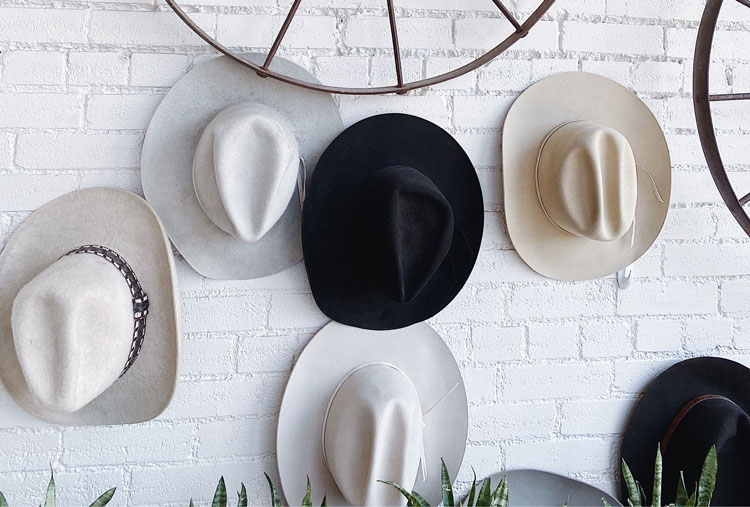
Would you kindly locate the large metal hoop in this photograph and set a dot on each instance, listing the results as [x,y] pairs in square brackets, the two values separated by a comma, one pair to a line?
[521,30]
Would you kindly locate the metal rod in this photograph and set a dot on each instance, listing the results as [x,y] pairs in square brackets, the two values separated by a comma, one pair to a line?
[394,39]
[703,118]
[460,71]
[744,199]
[729,96]
[508,14]
[280,36]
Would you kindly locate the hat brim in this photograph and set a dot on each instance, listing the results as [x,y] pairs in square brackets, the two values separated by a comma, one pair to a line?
[665,396]
[538,488]
[340,288]
[540,108]
[419,352]
[169,147]
[124,222]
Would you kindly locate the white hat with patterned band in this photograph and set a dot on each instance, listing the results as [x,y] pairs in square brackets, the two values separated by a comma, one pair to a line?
[89,312]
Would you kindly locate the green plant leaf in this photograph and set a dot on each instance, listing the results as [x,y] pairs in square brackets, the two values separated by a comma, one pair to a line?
[275,500]
[634,496]
[447,487]
[191,503]
[707,480]
[49,498]
[691,500]
[410,500]
[325,501]
[656,498]
[500,495]
[307,501]
[3,501]
[682,495]
[485,495]
[104,498]
[242,496]
[420,501]
[220,496]
[605,503]
[473,491]
[644,500]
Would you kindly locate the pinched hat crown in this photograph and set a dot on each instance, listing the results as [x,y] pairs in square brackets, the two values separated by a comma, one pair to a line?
[586,180]
[245,169]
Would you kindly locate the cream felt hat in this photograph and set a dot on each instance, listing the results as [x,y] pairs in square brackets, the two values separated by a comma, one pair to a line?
[89,312]
[587,176]
[227,173]
[363,406]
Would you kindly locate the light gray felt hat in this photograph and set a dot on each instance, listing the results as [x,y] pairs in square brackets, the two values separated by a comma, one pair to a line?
[90,311]
[225,162]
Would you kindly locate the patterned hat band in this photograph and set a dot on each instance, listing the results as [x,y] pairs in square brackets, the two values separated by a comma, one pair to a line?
[140,298]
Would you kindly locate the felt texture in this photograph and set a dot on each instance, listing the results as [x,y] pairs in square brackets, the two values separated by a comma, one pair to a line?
[545,247]
[587,181]
[245,170]
[125,223]
[373,432]
[392,223]
[335,351]
[714,421]
[169,149]
[535,487]
[58,321]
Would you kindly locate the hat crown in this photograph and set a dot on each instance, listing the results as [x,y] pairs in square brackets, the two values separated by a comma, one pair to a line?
[405,228]
[587,180]
[373,431]
[245,169]
[73,329]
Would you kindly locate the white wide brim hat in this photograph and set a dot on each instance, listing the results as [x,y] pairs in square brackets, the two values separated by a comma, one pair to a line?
[541,108]
[417,351]
[169,147]
[535,488]
[125,223]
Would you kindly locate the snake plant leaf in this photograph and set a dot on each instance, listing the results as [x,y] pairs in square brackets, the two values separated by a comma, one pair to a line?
[605,503]
[500,495]
[642,493]
[656,498]
[104,498]
[325,501]
[242,496]
[191,503]
[473,491]
[634,496]
[485,495]
[307,501]
[421,502]
[49,498]
[682,495]
[220,495]
[275,500]
[691,500]
[566,503]
[447,487]
[3,501]
[410,500]
[707,479]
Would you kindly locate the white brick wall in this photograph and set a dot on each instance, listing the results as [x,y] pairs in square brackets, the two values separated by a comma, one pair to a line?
[552,369]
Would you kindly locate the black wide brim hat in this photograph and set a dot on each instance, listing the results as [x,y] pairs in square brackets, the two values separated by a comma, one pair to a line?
[689,407]
[392,223]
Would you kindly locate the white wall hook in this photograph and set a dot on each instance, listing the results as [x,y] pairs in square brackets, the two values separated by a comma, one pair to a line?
[623,277]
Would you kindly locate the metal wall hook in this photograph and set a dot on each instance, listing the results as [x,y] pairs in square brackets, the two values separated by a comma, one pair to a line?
[624,277]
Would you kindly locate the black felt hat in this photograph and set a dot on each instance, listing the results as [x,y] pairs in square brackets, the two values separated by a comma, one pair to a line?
[392,223]
[692,405]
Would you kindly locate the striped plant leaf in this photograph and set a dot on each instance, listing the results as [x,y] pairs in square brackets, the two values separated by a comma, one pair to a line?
[642,493]
[485,495]
[242,496]
[411,500]
[634,496]
[656,498]
[473,491]
[500,495]
[447,487]
[682,495]
[707,479]
[307,501]
[220,495]
[3,501]
[605,503]
[275,500]
[49,498]
[104,498]
[325,501]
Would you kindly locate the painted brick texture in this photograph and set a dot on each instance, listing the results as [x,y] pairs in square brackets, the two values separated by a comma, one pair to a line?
[552,369]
